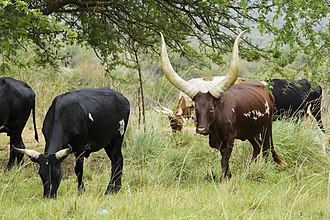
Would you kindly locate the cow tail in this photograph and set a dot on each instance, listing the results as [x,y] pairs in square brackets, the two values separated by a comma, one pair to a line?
[276,157]
[34,121]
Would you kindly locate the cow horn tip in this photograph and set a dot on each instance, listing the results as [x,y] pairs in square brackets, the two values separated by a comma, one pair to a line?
[70,148]
[240,34]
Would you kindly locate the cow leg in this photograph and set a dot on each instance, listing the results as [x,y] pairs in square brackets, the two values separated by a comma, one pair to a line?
[15,141]
[12,156]
[265,141]
[20,156]
[256,143]
[79,170]
[114,153]
[226,149]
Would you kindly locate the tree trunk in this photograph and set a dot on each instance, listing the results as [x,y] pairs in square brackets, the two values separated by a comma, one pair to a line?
[141,94]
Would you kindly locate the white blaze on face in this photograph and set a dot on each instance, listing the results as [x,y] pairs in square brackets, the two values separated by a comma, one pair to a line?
[255,114]
[121,127]
[90,117]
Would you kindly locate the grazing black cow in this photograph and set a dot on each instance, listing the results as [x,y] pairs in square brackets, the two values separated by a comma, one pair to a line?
[293,99]
[227,112]
[17,100]
[82,121]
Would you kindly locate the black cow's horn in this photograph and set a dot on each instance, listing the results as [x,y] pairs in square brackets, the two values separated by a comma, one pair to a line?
[31,153]
[218,90]
[63,153]
[173,77]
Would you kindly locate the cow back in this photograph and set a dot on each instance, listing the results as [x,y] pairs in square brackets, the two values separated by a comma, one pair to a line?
[246,108]
[86,116]
[16,99]
[293,98]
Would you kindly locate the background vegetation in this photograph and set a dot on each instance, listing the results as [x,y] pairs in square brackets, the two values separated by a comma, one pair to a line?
[294,29]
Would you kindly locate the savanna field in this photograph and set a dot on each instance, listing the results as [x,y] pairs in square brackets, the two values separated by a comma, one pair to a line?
[166,175]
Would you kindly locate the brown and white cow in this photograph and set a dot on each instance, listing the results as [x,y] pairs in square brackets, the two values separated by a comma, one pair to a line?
[184,108]
[227,112]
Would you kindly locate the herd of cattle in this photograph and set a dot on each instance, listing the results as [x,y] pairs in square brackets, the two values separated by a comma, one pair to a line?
[87,120]
[291,99]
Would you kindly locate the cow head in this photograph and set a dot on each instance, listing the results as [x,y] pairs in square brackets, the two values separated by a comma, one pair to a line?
[205,103]
[315,96]
[49,168]
[177,120]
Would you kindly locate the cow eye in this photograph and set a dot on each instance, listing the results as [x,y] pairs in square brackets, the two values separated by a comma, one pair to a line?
[211,110]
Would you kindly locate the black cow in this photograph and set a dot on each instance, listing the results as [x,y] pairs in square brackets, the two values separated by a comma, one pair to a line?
[17,100]
[82,121]
[292,99]
[227,112]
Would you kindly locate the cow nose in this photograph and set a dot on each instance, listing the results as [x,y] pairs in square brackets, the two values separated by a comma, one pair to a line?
[201,130]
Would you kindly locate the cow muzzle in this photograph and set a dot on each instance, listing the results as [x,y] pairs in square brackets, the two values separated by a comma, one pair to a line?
[202,130]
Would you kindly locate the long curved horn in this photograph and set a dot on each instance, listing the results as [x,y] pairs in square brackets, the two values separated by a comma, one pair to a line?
[218,90]
[63,153]
[173,77]
[31,153]
[164,110]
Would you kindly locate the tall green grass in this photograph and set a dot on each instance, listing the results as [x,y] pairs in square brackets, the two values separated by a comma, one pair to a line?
[176,176]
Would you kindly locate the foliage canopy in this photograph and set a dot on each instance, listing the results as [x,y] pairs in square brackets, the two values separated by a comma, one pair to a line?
[297,28]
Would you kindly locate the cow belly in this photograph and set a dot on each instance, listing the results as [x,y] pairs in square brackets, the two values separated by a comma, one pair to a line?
[101,139]
[250,128]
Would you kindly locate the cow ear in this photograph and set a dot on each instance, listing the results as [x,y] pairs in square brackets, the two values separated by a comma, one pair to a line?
[318,90]
[181,106]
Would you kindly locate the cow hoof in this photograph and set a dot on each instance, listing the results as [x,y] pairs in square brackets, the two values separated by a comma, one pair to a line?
[225,178]
[80,191]
[112,189]
[9,167]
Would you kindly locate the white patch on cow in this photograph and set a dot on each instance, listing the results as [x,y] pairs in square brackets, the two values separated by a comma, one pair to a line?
[233,110]
[90,117]
[267,111]
[256,114]
[121,127]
